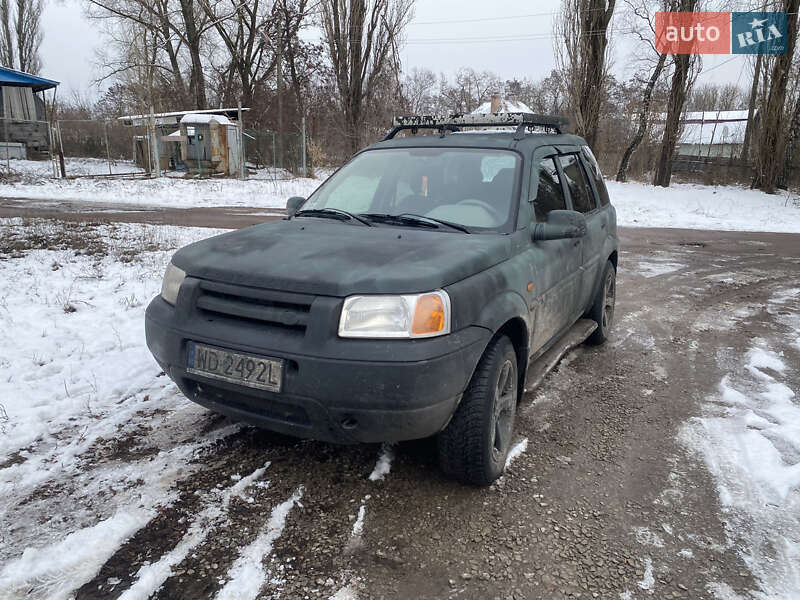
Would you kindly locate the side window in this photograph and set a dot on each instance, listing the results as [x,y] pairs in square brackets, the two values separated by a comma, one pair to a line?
[549,194]
[579,190]
[596,175]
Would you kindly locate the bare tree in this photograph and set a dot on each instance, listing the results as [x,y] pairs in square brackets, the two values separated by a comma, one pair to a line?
[680,84]
[362,38]
[581,54]
[419,91]
[773,130]
[175,29]
[21,35]
[643,27]
[29,35]
[6,37]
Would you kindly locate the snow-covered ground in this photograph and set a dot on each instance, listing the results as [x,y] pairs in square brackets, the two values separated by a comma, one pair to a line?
[694,206]
[687,206]
[749,438]
[267,188]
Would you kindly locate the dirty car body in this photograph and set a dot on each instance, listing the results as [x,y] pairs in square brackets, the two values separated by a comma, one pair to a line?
[461,239]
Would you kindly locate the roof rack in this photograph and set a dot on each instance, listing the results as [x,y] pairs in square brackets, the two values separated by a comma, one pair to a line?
[455,122]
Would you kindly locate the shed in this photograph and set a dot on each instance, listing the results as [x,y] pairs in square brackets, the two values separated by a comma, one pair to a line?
[713,134]
[23,109]
[212,144]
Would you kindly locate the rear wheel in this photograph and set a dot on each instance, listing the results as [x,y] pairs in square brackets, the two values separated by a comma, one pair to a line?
[602,311]
[474,445]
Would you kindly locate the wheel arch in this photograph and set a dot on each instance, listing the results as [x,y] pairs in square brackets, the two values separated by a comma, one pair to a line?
[508,314]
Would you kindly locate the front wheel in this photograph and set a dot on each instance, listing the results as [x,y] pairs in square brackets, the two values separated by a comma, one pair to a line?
[602,311]
[474,445]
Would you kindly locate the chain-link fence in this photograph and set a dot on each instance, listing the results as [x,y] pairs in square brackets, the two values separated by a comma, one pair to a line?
[267,149]
[106,148]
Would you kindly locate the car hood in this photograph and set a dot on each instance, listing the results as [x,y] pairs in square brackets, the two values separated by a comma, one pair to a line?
[332,258]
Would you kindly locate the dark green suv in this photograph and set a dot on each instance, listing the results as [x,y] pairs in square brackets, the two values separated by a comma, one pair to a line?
[406,296]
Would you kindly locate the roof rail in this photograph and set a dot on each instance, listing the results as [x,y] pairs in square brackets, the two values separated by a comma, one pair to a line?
[455,122]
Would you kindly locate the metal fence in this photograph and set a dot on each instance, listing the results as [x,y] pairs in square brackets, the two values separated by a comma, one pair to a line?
[101,148]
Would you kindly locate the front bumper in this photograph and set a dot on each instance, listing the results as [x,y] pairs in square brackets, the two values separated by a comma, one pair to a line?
[336,390]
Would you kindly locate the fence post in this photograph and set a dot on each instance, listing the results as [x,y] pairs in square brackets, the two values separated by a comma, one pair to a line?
[108,151]
[303,169]
[154,141]
[53,164]
[242,154]
[274,164]
[61,151]
[5,134]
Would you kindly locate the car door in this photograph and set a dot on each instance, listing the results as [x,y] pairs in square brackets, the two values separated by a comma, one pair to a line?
[556,263]
[582,199]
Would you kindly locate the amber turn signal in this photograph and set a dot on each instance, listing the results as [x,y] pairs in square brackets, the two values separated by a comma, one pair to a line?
[429,316]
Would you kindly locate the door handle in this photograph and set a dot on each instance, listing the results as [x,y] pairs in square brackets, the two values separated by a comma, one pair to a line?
[576,243]
[603,226]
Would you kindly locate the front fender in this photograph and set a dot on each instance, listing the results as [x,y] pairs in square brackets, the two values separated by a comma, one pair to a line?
[503,308]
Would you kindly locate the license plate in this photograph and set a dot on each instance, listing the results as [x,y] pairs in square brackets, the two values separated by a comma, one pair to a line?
[234,367]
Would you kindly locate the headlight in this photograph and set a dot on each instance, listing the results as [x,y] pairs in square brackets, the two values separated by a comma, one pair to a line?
[408,316]
[171,285]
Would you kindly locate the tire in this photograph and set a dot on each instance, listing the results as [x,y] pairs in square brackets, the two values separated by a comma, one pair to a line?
[473,447]
[602,311]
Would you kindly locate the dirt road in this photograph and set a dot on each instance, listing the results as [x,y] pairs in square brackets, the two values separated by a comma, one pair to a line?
[602,501]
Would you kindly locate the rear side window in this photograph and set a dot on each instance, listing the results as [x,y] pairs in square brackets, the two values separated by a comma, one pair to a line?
[596,175]
[579,189]
[549,194]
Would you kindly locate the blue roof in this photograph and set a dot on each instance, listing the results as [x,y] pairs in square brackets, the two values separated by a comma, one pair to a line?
[20,79]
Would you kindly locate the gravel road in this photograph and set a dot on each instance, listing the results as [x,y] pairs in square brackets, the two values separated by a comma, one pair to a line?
[601,501]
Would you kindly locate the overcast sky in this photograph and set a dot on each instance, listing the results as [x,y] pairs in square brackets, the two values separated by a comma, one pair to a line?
[513,38]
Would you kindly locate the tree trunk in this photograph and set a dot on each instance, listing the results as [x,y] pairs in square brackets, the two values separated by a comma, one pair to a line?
[677,98]
[772,128]
[644,115]
[791,148]
[595,17]
[197,80]
[751,110]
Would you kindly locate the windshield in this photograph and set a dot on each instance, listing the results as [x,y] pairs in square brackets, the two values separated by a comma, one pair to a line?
[464,186]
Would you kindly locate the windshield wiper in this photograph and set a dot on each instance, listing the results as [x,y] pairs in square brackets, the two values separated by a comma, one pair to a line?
[412,220]
[424,219]
[332,213]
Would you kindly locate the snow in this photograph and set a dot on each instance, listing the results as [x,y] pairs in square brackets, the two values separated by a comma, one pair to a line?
[204,118]
[384,464]
[689,206]
[516,450]
[694,206]
[656,269]
[65,402]
[153,575]
[247,574]
[749,438]
[268,188]
[648,580]
[506,106]
[55,571]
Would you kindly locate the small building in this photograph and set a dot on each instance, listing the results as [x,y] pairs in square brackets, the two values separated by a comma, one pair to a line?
[713,134]
[212,144]
[173,141]
[500,104]
[24,131]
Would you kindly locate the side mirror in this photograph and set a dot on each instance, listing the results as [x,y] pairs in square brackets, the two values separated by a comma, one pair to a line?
[560,225]
[293,203]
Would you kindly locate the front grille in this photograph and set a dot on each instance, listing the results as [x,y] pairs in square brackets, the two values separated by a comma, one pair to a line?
[277,309]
